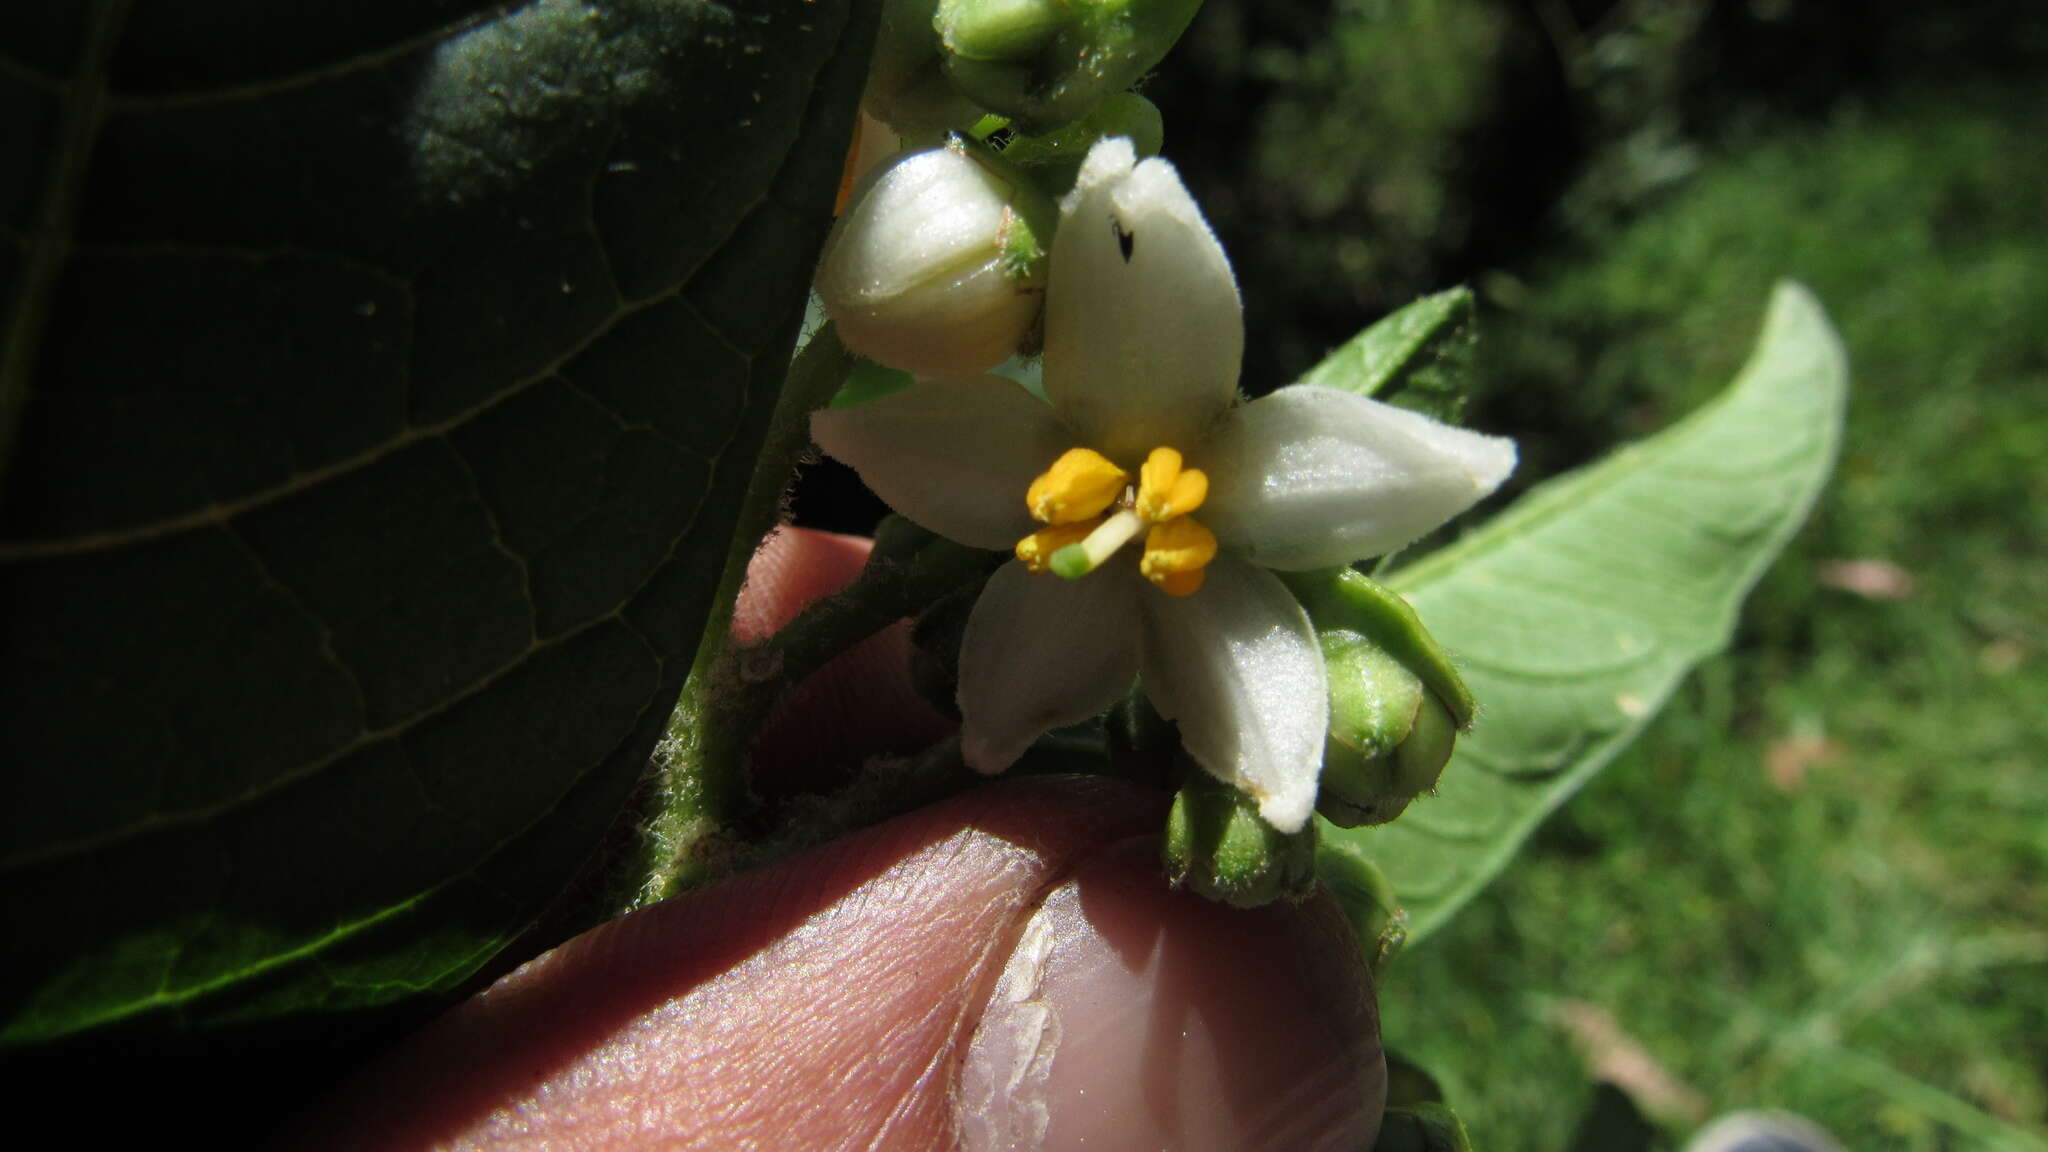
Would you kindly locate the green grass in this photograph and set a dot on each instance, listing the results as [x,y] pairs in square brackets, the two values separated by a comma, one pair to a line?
[1869,946]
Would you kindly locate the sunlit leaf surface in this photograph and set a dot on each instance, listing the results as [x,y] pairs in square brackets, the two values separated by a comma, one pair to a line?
[1574,614]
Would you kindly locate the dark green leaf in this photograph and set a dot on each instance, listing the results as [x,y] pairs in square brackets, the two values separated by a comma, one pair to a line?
[1420,357]
[379,385]
[1576,612]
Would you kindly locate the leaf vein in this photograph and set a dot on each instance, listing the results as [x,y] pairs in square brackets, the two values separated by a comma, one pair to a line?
[340,69]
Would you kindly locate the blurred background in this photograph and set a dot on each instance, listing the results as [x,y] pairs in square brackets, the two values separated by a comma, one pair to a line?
[1821,880]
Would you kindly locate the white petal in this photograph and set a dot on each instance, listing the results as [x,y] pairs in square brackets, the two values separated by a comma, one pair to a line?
[1314,477]
[1040,652]
[1238,667]
[954,456]
[1143,329]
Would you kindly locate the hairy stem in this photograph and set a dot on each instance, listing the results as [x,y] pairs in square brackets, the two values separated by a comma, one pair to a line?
[701,787]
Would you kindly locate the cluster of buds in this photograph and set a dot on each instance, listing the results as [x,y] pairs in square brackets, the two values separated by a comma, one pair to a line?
[1044,63]
[939,65]
[937,264]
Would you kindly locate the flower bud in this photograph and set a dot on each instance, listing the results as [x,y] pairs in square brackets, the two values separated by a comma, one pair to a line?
[1217,844]
[1389,735]
[1045,63]
[938,266]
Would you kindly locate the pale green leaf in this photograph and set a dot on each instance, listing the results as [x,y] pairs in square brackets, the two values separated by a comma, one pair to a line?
[1576,613]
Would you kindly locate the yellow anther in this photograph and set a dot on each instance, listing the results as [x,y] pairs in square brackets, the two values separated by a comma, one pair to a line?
[1036,549]
[1166,490]
[1079,486]
[1176,553]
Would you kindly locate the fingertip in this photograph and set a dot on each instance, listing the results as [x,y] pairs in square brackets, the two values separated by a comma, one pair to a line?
[1130,1015]
[817,1003]
[792,569]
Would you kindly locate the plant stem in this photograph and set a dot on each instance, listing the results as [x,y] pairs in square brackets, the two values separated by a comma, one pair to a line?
[696,831]
[701,775]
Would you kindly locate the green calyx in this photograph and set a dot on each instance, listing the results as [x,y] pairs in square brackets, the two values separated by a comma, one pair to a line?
[1389,735]
[1217,844]
[1023,249]
[1027,231]
[1341,599]
[1397,703]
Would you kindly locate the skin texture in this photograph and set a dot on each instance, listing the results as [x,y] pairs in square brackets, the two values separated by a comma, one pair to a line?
[1003,969]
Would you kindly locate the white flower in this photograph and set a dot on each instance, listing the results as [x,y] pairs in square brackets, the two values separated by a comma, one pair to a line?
[1144,334]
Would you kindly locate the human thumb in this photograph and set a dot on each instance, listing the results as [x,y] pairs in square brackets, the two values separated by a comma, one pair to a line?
[1003,970]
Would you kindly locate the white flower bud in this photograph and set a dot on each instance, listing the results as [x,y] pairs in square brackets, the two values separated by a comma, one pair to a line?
[938,267]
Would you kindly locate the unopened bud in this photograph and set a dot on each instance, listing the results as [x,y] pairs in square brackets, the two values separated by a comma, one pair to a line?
[1045,63]
[938,265]
[1389,735]
[1217,844]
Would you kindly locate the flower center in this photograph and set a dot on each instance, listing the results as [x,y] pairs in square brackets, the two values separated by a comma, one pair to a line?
[1091,510]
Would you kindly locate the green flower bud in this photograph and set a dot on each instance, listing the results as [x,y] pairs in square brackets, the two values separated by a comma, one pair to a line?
[938,265]
[1389,736]
[1045,63]
[1217,844]
[1338,598]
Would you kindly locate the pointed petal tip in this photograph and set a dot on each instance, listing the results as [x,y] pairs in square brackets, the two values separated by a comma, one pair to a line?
[1155,185]
[1111,159]
[1313,476]
[1492,461]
